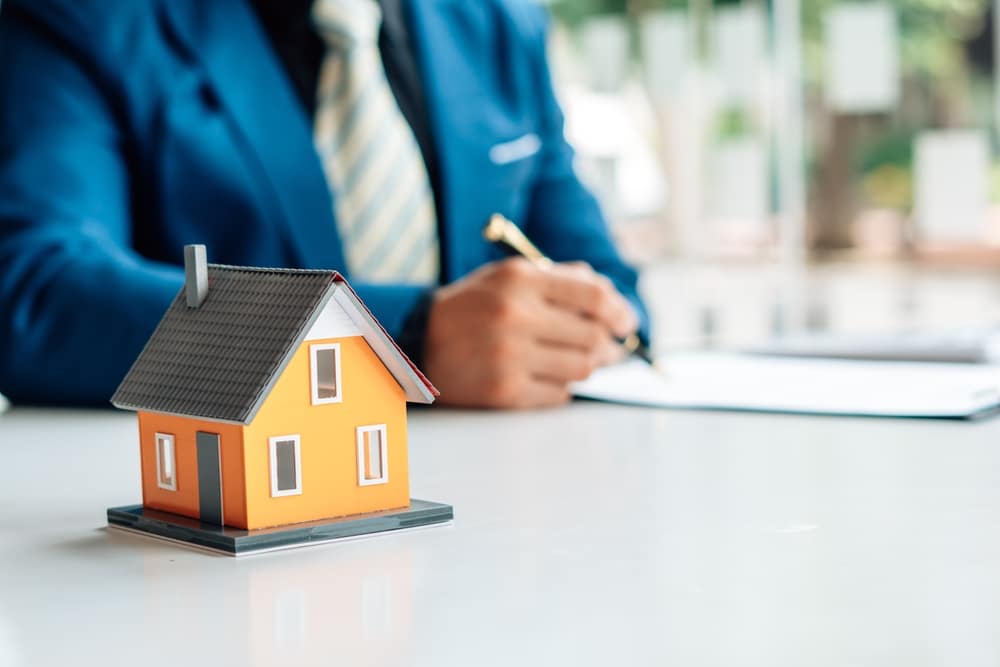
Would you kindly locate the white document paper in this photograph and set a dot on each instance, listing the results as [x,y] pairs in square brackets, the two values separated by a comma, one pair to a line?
[809,386]
[862,58]
[952,185]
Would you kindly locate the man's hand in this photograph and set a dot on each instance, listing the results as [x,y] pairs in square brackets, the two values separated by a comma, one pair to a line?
[513,335]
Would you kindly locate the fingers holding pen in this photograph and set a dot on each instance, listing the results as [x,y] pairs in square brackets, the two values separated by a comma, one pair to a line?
[496,338]
[579,288]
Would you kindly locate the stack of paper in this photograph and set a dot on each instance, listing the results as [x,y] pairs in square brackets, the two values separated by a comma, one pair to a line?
[958,346]
[811,386]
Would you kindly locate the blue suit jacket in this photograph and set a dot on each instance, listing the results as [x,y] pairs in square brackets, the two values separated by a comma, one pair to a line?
[129,129]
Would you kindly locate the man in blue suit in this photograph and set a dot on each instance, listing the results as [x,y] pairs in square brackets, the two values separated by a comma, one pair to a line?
[371,136]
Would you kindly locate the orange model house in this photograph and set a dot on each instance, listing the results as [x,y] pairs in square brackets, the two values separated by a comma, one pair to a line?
[270,397]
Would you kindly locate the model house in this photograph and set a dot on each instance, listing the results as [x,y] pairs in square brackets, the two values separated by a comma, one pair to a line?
[269,397]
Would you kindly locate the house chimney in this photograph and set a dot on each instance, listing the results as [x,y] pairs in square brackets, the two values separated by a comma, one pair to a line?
[195,275]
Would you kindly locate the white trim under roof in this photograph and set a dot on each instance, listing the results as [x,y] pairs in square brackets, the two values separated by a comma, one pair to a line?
[382,345]
[332,322]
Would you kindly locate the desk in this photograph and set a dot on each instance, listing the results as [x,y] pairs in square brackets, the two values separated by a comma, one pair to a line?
[591,535]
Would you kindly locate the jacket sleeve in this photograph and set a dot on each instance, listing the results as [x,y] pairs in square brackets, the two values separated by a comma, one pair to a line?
[76,304]
[564,218]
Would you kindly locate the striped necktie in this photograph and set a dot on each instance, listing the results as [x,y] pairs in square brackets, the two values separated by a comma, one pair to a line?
[383,201]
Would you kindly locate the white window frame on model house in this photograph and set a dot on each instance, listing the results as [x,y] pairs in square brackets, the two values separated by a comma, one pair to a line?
[273,446]
[314,351]
[363,479]
[166,452]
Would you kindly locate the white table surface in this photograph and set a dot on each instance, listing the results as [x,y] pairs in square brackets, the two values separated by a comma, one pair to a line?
[590,535]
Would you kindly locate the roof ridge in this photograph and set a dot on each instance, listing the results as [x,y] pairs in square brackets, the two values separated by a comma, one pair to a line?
[265,269]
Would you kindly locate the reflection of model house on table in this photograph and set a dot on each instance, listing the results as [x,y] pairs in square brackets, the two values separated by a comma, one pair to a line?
[359,599]
[271,398]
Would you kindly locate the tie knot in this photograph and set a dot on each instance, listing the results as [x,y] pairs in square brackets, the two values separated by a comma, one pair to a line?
[348,24]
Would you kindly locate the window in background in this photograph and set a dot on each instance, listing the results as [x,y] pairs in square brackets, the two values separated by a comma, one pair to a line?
[786,127]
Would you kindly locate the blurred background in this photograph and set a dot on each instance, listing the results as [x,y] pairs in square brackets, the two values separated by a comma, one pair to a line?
[792,165]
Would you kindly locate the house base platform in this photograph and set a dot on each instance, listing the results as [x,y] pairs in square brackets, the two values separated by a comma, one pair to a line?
[238,542]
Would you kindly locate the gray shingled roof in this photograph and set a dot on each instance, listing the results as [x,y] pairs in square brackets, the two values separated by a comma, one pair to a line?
[217,361]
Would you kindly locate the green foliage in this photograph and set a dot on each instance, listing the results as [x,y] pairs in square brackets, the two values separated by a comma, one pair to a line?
[931,33]
[885,165]
[894,147]
[930,29]
[732,123]
[573,12]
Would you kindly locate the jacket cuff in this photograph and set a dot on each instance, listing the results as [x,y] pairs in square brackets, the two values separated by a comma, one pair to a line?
[413,335]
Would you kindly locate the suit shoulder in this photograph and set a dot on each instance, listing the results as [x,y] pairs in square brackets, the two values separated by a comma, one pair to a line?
[76,13]
[89,24]
[526,17]
[523,20]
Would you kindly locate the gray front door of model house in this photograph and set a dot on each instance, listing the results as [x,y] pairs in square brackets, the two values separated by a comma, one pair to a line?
[209,477]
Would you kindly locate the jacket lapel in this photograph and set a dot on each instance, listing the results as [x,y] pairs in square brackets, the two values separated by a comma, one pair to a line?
[225,37]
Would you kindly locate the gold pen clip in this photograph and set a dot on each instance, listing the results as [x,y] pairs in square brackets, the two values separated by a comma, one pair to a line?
[501,230]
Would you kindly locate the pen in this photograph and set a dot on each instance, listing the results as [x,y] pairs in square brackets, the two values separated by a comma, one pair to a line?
[502,231]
